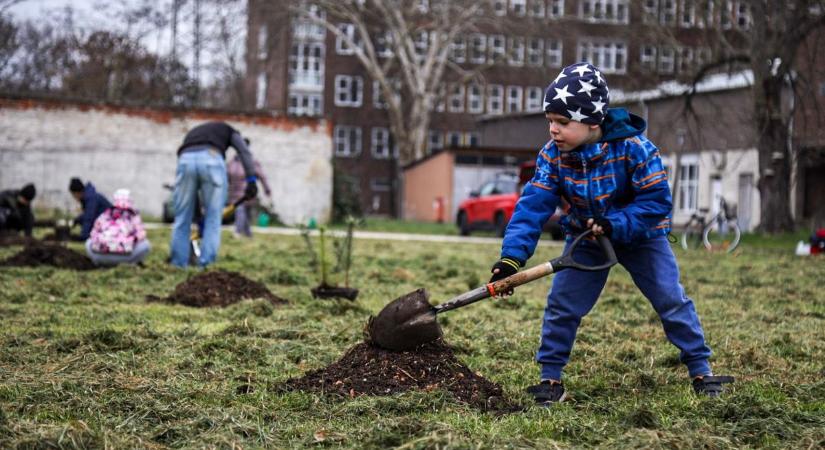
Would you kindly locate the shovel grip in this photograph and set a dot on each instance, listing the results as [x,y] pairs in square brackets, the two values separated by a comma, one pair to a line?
[523,277]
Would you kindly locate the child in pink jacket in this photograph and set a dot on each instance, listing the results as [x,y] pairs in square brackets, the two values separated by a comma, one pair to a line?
[117,236]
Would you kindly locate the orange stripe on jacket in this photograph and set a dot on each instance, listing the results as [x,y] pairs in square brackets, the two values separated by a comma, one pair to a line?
[574,181]
[601,197]
[549,159]
[652,183]
[661,172]
[603,177]
[541,186]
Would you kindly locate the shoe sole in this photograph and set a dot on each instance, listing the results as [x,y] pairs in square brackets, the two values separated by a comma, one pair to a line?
[549,402]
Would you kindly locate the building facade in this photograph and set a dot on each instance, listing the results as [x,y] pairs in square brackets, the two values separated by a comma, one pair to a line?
[296,67]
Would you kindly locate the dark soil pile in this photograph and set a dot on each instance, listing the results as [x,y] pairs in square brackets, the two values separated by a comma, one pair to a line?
[217,288]
[369,370]
[7,240]
[41,254]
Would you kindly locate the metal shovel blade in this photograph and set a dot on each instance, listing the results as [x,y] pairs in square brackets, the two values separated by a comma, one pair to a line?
[405,323]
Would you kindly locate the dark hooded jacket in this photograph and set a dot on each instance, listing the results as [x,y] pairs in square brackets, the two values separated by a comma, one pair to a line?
[93,204]
[15,215]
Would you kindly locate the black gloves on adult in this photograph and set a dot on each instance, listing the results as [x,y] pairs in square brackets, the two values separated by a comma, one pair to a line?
[251,190]
[607,228]
[503,268]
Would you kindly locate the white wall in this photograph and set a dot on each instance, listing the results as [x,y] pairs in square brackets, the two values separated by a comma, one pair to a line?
[47,144]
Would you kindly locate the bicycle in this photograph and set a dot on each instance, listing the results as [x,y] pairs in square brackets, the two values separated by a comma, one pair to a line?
[721,232]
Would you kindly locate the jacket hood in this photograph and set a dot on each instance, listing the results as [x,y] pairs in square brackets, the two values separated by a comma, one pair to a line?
[620,124]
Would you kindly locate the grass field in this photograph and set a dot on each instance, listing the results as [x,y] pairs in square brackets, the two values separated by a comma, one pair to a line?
[85,362]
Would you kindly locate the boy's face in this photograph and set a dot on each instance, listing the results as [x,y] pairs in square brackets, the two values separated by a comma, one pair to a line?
[569,134]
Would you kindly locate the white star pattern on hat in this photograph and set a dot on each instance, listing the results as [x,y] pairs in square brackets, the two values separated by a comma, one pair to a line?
[599,77]
[577,115]
[562,94]
[581,70]
[559,77]
[586,87]
[598,107]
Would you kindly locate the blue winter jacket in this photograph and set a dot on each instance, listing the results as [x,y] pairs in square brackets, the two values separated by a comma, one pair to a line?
[93,204]
[621,178]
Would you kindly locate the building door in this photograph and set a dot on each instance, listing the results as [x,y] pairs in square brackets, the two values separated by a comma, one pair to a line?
[745,201]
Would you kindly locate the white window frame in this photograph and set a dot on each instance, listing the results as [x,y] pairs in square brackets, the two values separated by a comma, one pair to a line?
[726,15]
[687,14]
[458,49]
[470,137]
[647,57]
[685,61]
[742,15]
[608,56]
[536,8]
[605,11]
[478,48]
[475,99]
[378,96]
[554,52]
[533,98]
[263,41]
[555,9]
[453,136]
[518,7]
[515,99]
[440,103]
[261,85]
[435,141]
[667,13]
[383,45]
[535,51]
[347,141]
[421,41]
[650,11]
[455,103]
[688,190]
[341,45]
[380,143]
[500,7]
[497,47]
[667,59]
[516,52]
[349,85]
[306,64]
[495,99]
[305,104]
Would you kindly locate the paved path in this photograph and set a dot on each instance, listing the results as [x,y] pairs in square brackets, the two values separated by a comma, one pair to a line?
[380,235]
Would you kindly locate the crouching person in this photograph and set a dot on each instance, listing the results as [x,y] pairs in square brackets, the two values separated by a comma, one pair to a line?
[117,236]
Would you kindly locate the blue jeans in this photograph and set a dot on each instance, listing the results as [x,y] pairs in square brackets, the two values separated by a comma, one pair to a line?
[199,172]
[654,271]
[112,259]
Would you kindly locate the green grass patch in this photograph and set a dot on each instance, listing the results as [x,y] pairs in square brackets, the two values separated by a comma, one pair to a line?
[86,362]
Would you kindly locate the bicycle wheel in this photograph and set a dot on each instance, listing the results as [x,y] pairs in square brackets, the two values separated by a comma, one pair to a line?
[721,235]
[691,237]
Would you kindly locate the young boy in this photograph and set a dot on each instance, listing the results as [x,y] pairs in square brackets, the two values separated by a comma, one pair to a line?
[612,177]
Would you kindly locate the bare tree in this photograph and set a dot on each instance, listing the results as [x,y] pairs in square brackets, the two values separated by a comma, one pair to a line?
[404,43]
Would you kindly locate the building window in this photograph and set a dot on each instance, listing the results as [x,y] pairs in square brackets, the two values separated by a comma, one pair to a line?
[378,99]
[667,60]
[688,14]
[535,51]
[475,100]
[688,194]
[610,57]
[519,7]
[380,143]
[650,11]
[496,47]
[421,40]
[494,99]
[472,140]
[262,42]
[705,17]
[348,90]
[685,60]
[514,96]
[458,49]
[648,57]
[604,11]
[478,48]
[516,51]
[456,102]
[667,15]
[306,29]
[743,15]
[555,9]
[382,45]
[440,98]
[347,141]
[301,104]
[536,8]
[435,141]
[306,65]
[726,15]
[260,91]
[342,47]
[554,53]
[423,6]
[380,185]
[453,139]
[534,99]
[500,7]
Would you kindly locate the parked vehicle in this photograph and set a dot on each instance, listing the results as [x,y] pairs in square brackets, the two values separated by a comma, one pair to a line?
[492,205]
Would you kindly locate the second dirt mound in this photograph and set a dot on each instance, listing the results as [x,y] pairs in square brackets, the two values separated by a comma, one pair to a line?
[39,254]
[217,288]
[368,370]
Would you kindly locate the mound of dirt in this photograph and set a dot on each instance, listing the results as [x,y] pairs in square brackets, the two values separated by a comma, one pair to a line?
[217,288]
[41,254]
[8,240]
[368,370]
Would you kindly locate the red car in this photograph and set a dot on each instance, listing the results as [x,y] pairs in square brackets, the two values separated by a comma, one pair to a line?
[492,205]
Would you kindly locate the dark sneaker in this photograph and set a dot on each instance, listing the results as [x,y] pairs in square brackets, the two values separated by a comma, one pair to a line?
[710,385]
[547,392]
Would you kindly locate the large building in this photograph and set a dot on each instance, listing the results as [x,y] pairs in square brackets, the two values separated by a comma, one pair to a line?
[297,68]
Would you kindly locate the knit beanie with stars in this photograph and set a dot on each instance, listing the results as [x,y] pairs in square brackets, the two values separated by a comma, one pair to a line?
[579,93]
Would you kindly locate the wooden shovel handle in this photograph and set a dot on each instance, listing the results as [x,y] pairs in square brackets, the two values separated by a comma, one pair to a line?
[523,277]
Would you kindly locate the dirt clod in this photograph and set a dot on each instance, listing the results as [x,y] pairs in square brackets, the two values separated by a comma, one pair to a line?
[368,370]
[217,288]
[41,254]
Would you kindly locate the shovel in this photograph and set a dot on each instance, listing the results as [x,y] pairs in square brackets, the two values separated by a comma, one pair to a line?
[196,234]
[410,320]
